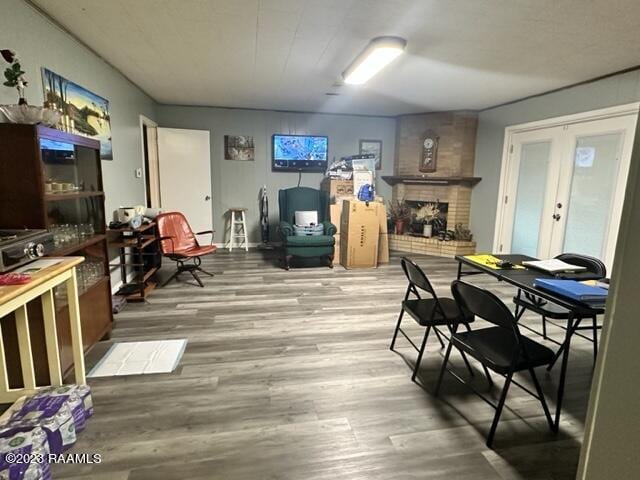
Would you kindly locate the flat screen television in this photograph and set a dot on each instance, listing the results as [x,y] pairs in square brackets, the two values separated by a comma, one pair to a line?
[299,153]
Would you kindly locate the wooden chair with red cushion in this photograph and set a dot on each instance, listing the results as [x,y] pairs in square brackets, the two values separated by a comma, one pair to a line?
[179,243]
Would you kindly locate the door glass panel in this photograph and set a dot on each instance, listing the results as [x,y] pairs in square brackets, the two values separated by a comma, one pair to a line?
[592,187]
[532,180]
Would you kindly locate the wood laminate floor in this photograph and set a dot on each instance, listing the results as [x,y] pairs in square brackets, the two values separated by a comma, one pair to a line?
[288,375]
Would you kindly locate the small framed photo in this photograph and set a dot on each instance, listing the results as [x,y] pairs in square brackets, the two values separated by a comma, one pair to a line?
[374,147]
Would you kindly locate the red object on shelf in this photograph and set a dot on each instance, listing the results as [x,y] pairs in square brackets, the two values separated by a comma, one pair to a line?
[15,278]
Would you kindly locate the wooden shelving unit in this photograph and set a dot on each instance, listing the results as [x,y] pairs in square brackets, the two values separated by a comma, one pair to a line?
[68,250]
[31,156]
[54,197]
[139,253]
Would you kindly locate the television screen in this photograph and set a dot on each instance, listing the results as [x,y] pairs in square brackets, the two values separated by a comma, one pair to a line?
[292,153]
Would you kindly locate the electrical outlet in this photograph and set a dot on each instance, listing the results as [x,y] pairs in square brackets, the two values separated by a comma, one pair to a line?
[138,173]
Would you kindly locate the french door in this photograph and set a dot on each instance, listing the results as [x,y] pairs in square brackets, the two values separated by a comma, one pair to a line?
[563,187]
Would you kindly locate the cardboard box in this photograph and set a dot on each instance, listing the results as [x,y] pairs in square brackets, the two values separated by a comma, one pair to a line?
[383,242]
[359,234]
[383,248]
[382,217]
[336,187]
[336,249]
[335,214]
[360,179]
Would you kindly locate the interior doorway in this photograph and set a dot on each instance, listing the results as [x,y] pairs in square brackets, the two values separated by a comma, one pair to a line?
[151,169]
[563,182]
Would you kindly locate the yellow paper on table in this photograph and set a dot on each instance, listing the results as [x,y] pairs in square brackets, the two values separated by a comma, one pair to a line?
[489,261]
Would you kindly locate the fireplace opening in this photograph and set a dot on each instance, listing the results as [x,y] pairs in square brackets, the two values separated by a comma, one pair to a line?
[428,218]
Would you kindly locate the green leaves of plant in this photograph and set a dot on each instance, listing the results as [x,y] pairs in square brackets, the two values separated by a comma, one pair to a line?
[13,74]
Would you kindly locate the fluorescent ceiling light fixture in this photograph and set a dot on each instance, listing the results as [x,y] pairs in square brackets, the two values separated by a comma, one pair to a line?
[380,52]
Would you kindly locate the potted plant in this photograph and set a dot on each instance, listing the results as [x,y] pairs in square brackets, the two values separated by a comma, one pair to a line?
[22,112]
[400,212]
[429,213]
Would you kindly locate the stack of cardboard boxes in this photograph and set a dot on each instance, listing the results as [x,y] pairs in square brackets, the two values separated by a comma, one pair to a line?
[362,238]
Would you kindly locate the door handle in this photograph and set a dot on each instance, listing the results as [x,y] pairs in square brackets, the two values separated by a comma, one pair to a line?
[207,198]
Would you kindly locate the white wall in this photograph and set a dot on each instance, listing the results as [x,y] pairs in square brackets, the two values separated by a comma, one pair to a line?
[237,184]
[39,43]
[616,90]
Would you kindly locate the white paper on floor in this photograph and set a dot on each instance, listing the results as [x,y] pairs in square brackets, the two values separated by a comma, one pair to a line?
[140,358]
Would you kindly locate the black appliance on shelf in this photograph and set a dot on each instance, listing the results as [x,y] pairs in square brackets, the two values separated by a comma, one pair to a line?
[19,247]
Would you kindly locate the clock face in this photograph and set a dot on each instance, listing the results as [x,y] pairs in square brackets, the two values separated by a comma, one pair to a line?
[428,143]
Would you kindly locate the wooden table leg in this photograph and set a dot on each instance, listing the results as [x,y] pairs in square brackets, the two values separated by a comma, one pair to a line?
[76,329]
[51,338]
[24,345]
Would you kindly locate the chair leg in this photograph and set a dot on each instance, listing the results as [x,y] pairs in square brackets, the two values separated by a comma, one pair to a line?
[232,233]
[244,232]
[439,337]
[286,260]
[420,353]
[464,357]
[496,418]
[205,272]
[329,259]
[442,369]
[595,339]
[544,327]
[542,400]
[467,364]
[572,329]
[197,278]
[173,276]
[395,332]
[487,374]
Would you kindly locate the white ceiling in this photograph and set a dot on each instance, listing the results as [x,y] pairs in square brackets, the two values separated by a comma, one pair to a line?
[286,54]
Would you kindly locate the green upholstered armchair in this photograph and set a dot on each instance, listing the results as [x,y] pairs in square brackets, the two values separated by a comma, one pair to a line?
[296,199]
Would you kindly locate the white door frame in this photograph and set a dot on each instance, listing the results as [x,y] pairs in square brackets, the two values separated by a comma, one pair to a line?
[505,170]
[153,163]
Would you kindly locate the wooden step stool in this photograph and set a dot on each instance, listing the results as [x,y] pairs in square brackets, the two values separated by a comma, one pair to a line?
[237,229]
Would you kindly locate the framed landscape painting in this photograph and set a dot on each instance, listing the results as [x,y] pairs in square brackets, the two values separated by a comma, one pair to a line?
[83,112]
[372,147]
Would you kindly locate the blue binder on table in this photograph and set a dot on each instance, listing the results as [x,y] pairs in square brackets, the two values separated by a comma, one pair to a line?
[573,290]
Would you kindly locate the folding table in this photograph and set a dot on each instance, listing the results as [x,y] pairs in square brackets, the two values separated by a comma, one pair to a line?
[523,280]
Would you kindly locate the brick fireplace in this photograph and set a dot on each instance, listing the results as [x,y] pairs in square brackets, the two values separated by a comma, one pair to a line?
[450,183]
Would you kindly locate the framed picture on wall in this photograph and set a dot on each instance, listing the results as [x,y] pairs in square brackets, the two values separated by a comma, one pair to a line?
[372,147]
[239,147]
[83,112]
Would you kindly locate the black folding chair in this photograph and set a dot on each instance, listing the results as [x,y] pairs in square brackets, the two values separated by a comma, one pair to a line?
[427,312]
[549,310]
[500,348]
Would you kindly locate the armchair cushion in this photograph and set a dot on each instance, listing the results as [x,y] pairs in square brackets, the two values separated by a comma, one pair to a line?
[310,241]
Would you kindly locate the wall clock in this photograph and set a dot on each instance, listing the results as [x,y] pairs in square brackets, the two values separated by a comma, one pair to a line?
[429,156]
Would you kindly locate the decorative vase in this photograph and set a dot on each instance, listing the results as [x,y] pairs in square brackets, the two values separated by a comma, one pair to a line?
[29,114]
[427,230]
[399,227]
[21,99]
